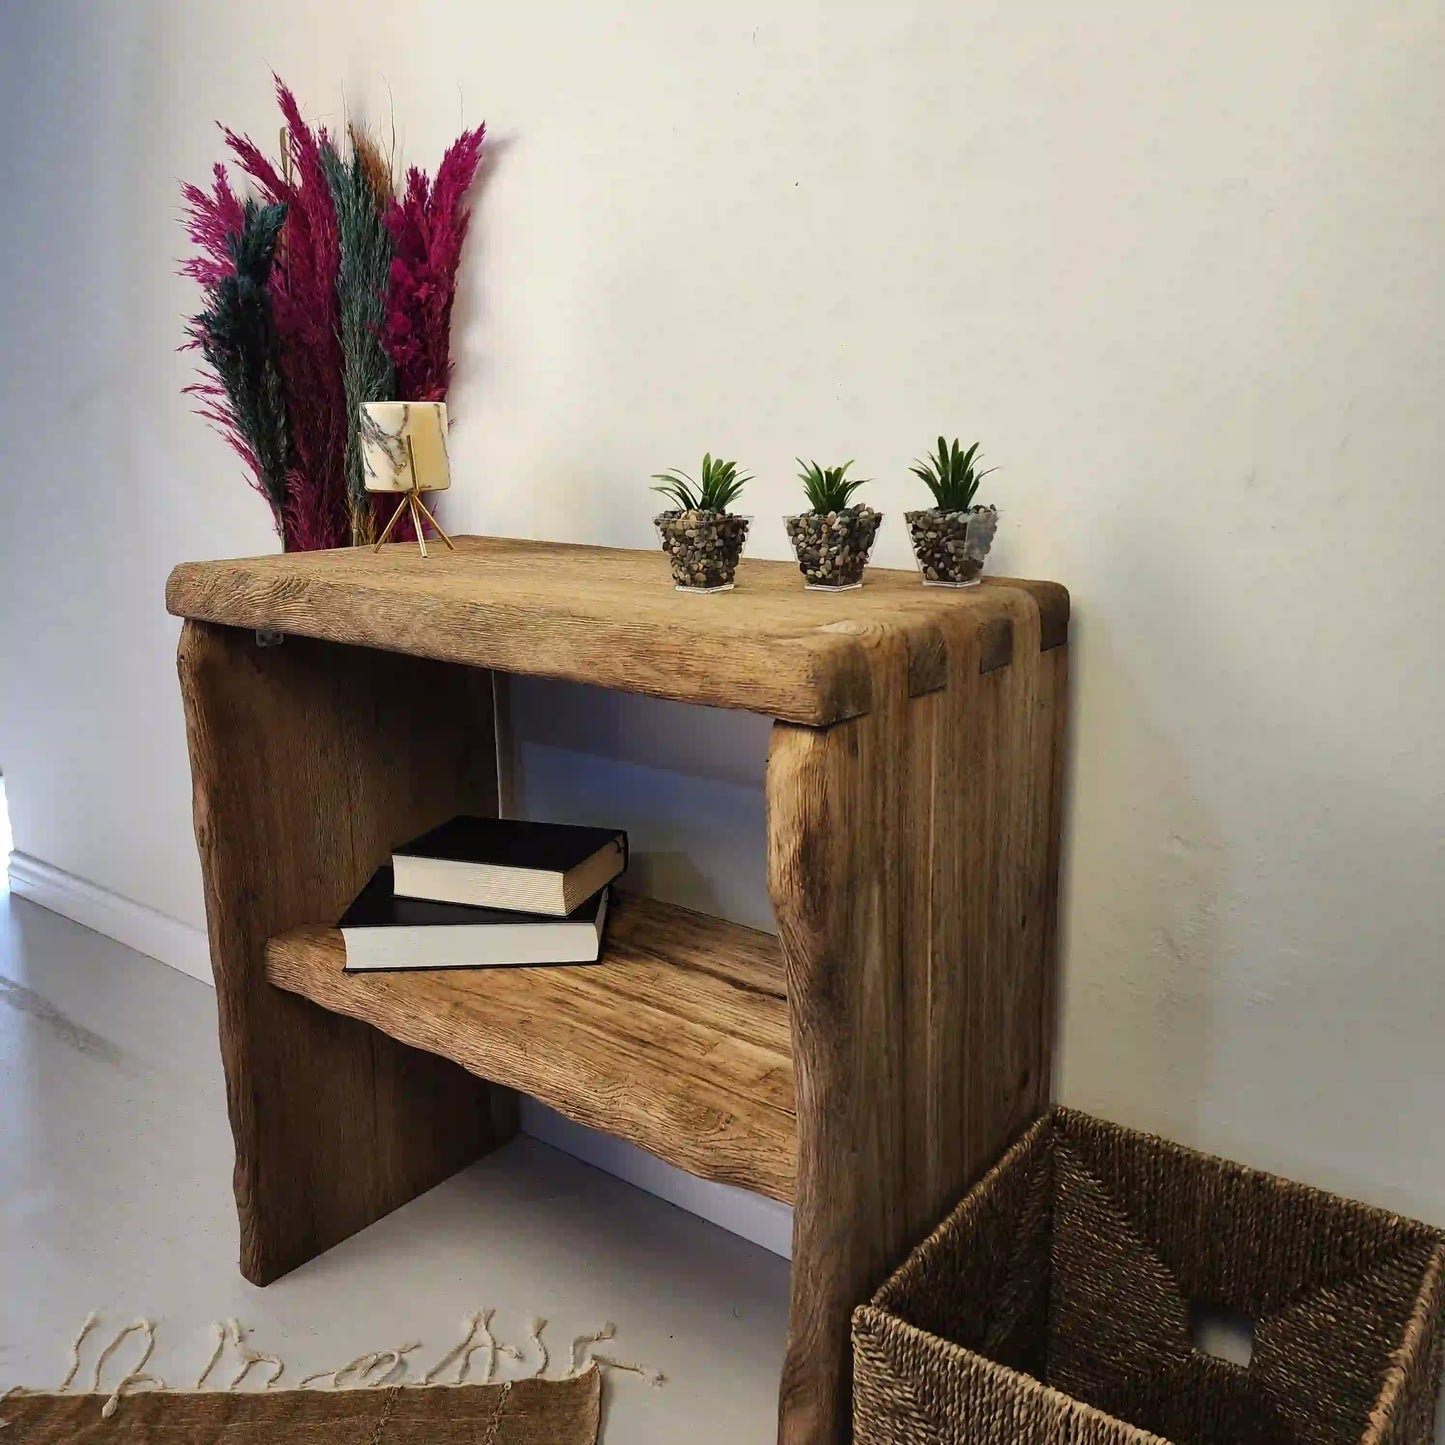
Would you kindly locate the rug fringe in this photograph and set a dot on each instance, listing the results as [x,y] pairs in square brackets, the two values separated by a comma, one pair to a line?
[135,1376]
[374,1370]
[363,1365]
[91,1320]
[653,1377]
[538,1325]
[397,1357]
[249,1357]
[335,1375]
[574,1362]
[471,1324]
[490,1345]
[219,1326]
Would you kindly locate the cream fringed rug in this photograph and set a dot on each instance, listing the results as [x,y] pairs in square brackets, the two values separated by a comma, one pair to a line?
[366,1402]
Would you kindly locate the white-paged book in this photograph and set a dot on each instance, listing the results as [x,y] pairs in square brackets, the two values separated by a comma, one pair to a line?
[510,863]
[384,932]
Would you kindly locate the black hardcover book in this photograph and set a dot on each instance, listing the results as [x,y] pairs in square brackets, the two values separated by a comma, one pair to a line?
[510,863]
[385,932]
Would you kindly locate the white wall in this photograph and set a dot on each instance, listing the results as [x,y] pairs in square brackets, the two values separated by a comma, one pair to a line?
[1178,266]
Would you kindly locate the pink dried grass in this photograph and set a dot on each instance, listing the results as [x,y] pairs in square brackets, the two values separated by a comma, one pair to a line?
[304,302]
[214,406]
[211,218]
[428,224]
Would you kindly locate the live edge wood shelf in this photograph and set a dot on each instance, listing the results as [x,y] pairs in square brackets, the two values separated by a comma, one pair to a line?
[864,1064]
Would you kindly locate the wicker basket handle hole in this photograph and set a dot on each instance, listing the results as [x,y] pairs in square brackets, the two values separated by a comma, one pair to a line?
[1224,1333]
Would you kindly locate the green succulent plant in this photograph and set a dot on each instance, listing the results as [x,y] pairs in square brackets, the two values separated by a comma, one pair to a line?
[721,485]
[827,488]
[952,476]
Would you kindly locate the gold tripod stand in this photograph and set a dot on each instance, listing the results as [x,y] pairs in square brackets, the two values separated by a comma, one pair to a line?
[411,501]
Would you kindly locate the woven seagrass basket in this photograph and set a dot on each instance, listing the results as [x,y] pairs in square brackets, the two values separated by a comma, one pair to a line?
[1054,1307]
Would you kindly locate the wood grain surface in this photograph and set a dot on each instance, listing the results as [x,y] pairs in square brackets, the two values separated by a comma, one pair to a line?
[913,865]
[677,1041]
[610,617]
[309,762]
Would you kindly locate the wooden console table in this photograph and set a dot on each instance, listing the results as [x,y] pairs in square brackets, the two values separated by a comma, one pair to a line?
[863,1066]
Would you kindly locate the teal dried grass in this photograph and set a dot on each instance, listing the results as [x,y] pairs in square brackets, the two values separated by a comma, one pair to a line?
[362,279]
[236,333]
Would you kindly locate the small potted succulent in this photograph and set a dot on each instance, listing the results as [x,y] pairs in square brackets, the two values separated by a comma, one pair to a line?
[833,539]
[702,539]
[951,538]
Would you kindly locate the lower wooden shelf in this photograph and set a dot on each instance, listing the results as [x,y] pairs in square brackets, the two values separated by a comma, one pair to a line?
[677,1041]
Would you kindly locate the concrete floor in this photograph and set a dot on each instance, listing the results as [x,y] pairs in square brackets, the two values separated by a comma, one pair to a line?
[115,1194]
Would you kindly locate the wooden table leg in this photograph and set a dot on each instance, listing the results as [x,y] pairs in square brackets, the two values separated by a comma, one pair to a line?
[913,866]
[309,761]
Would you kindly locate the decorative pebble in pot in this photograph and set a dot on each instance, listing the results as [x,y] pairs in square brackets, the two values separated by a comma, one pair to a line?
[833,539]
[951,539]
[702,539]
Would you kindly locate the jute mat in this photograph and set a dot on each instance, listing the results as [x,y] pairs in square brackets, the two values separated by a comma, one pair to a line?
[518,1412]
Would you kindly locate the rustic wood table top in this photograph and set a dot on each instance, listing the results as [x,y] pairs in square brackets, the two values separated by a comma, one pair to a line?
[611,617]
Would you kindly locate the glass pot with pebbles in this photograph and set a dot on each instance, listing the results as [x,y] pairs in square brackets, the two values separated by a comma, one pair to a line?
[951,538]
[833,539]
[702,539]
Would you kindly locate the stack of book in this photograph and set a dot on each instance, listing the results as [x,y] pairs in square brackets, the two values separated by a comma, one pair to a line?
[487,893]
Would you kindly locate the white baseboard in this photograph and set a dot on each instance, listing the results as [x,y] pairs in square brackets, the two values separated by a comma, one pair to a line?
[184,947]
[157,935]
[752,1216]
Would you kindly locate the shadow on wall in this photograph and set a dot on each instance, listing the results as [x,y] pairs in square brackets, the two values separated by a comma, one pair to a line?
[1260,981]
[472,311]
[1144,871]
[685,782]
[1329,1066]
